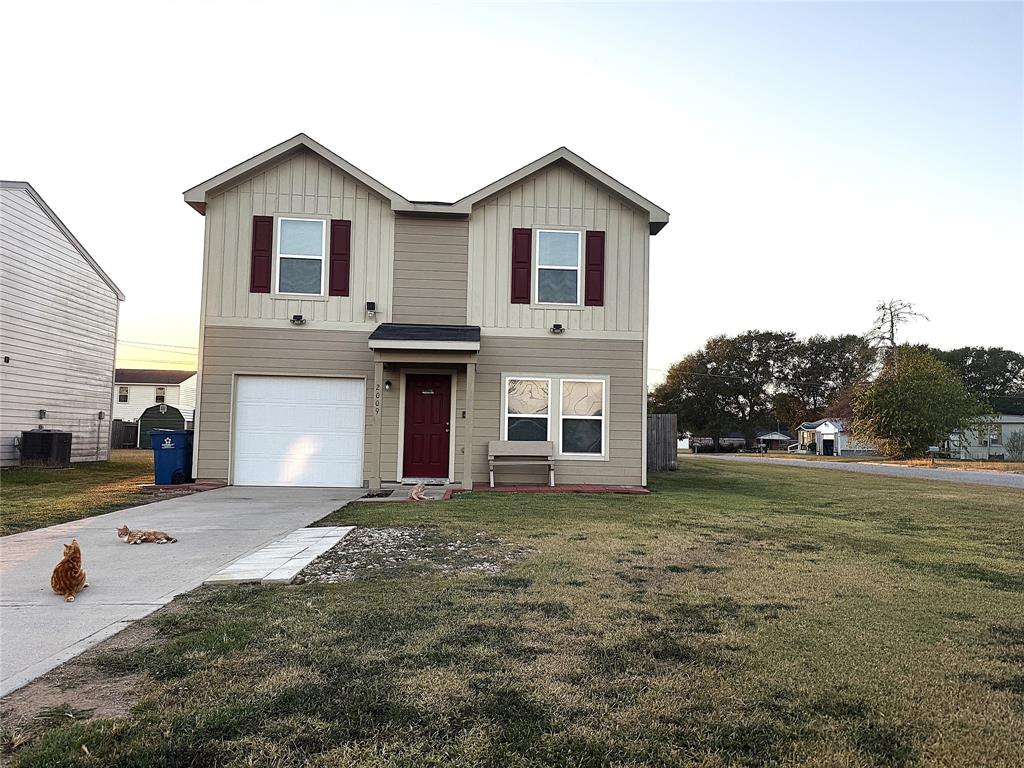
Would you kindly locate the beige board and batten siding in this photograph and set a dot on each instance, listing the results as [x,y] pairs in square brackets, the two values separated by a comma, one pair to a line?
[560,196]
[620,360]
[59,326]
[301,184]
[430,277]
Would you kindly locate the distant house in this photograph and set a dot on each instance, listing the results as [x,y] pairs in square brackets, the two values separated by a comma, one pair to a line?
[776,441]
[58,330]
[136,389]
[829,437]
[987,440]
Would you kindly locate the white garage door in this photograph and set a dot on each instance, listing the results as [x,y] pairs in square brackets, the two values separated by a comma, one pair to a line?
[298,431]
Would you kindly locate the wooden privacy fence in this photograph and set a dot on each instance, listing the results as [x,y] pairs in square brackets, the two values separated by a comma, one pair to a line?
[124,434]
[661,441]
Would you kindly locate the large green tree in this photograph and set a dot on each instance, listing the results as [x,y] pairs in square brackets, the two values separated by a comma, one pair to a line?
[822,368]
[992,374]
[915,402]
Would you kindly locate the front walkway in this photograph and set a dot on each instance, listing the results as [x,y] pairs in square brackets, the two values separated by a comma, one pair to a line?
[971,476]
[39,631]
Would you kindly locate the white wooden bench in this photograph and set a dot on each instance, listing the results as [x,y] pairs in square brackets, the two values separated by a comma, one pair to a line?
[516,453]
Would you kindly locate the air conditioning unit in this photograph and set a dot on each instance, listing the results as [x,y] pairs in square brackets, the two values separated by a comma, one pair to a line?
[45,448]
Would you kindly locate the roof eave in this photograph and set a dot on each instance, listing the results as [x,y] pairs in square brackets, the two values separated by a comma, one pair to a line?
[28,188]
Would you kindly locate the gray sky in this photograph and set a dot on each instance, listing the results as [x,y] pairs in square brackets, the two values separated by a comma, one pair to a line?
[816,158]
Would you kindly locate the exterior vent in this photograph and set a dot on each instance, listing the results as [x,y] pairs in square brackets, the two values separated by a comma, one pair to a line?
[46,448]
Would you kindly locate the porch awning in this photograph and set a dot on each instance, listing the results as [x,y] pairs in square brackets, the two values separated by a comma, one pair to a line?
[423,336]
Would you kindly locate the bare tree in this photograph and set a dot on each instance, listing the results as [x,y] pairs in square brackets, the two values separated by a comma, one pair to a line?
[890,315]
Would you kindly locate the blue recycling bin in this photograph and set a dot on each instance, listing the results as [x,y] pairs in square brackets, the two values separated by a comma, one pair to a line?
[172,456]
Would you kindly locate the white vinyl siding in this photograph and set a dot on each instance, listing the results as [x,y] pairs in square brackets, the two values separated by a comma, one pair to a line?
[142,396]
[59,324]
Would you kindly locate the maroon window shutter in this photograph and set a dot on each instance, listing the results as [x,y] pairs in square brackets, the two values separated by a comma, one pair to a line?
[262,254]
[594,270]
[341,260]
[522,265]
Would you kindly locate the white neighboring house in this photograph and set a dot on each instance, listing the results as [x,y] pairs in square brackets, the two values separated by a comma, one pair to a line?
[831,437]
[136,389]
[987,440]
[58,330]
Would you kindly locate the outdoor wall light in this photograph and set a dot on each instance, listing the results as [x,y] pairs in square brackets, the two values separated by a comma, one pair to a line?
[558,328]
[371,308]
[298,320]
[42,413]
[387,386]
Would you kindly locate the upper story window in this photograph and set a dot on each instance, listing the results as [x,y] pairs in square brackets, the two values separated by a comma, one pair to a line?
[122,394]
[559,258]
[301,246]
[161,394]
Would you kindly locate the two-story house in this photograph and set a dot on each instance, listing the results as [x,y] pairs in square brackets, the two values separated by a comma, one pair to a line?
[58,330]
[136,389]
[350,336]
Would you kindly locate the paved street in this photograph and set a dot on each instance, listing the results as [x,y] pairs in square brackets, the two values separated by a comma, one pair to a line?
[974,476]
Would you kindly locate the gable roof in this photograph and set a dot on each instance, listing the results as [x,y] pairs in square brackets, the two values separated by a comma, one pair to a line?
[150,376]
[197,195]
[24,186]
[659,216]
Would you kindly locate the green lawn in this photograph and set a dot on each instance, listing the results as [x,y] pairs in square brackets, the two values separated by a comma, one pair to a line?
[34,498]
[740,615]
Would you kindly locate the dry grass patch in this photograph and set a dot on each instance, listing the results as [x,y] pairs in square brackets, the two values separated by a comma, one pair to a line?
[37,497]
[740,615]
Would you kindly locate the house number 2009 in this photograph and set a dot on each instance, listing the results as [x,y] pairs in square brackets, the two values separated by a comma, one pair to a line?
[376,400]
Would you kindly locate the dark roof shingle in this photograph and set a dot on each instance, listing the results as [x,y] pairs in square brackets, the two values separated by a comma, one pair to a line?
[150,376]
[425,332]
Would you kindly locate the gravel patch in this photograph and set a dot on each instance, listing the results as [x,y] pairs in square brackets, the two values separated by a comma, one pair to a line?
[377,552]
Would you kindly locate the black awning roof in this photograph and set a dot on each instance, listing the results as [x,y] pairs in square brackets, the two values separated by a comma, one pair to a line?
[425,332]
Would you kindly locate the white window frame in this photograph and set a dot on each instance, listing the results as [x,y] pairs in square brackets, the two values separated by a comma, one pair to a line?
[504,401]
[159,392]
[278,255]
[537,267]
[603,417]
[127,393]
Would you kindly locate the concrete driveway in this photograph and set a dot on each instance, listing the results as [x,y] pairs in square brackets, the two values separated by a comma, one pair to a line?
[39,631]
[970,476]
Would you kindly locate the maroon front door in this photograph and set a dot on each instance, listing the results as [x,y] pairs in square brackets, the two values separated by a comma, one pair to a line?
[428,413]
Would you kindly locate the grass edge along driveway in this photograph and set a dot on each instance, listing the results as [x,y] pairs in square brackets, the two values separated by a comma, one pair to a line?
[36,497]
[740,615]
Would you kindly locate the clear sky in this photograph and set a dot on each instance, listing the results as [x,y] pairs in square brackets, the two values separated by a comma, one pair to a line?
[816,158]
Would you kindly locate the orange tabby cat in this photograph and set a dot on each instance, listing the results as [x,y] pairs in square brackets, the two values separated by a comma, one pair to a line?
[68,577]
[129,536]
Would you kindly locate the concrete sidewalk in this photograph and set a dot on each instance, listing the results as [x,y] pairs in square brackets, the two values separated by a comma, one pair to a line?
[39,631]
[970,476]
